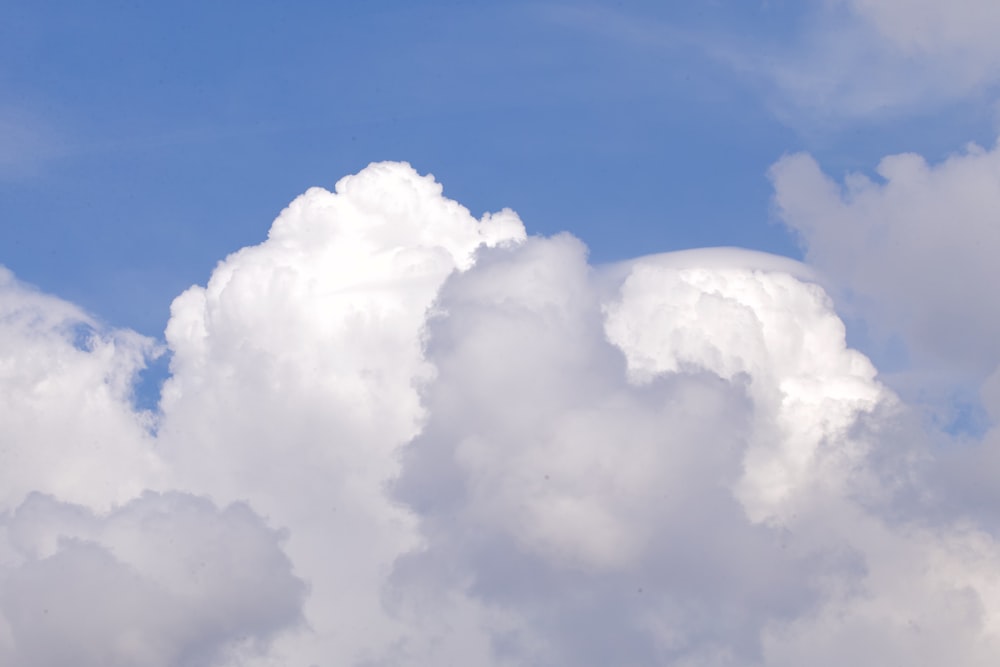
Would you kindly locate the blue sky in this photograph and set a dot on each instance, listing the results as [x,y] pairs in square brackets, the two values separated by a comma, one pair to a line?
[745,413]
[148,141]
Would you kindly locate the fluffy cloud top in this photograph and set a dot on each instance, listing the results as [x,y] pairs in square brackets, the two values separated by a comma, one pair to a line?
[294,380]
[479,449]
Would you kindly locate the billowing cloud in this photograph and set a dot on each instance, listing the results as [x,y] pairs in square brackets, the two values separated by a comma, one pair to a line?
[914,249]
[67,426]
[163,580]
[295,375]
[911,253]
[395,434]
[593,505]
[669,461]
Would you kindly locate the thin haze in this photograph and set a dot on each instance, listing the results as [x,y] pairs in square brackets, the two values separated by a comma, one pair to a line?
[388,430]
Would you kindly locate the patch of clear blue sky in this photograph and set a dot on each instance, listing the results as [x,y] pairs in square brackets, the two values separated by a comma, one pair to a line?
[170,134]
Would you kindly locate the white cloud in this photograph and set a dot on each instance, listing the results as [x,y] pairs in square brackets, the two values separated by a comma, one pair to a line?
[484,451]
[551,487]
[163,580]
[915,249]
[912,255]
[714,497]
[294,381]
[67,426]
[778,333]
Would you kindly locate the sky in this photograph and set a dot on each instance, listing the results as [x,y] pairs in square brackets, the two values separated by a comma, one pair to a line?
[499,334]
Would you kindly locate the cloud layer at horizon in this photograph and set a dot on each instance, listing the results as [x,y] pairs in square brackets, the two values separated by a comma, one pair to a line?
[396,434]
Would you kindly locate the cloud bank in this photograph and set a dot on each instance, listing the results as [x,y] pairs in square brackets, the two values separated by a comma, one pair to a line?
[395,434]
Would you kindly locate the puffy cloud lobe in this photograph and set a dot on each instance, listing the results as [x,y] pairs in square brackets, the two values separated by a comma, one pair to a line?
[595,509]
[67,426]
[777,332]
[916,250]
[327,312]
[669,461]
[163,580]
[294,382]
[531,399]
[912,256]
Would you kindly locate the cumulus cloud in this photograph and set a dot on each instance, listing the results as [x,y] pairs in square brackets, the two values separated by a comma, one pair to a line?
[594,507]
[914,248]
[676,472]
[162,580]
[395,434]
[294,380]
[67,426]
[911,253]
